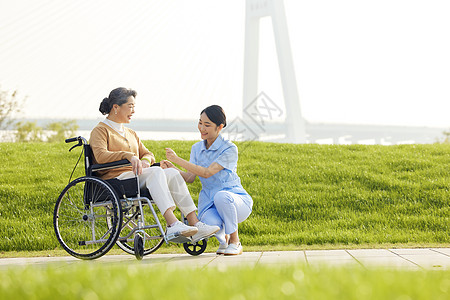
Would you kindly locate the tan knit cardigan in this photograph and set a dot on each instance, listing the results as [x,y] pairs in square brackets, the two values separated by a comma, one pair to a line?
[108,146]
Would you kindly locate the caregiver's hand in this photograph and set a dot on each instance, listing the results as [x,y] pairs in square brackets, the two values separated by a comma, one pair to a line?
[171,155]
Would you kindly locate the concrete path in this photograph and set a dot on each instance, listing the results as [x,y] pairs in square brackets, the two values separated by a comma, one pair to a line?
[410,259]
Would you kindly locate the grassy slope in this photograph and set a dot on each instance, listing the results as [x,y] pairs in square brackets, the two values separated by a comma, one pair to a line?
[315,194]
[303,194]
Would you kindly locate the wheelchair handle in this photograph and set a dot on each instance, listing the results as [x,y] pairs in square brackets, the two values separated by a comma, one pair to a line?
[81,141]
[72,139]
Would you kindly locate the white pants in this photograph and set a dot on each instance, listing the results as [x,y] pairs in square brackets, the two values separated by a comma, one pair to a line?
[167,188]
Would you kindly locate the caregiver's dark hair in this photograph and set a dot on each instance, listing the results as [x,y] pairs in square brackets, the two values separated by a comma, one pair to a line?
[216,114]
[117,96]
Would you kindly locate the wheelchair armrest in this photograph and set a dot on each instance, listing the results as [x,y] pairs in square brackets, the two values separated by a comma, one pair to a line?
[111,165]
[115,164]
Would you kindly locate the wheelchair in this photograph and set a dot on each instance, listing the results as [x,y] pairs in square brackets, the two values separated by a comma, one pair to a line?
[92,214]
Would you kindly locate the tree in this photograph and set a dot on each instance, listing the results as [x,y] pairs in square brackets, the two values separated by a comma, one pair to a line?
[10,106]
[62,130]
[54,132]
[447,137]
[28,132]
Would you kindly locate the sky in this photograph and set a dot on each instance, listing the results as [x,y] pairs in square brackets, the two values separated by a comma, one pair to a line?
[383,62]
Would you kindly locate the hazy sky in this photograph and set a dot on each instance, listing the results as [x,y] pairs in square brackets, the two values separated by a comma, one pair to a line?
[371,62]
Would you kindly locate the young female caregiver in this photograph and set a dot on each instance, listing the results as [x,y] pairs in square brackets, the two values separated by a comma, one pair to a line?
[222,200]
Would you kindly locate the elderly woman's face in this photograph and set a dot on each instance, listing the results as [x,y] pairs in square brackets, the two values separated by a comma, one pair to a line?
[124,111]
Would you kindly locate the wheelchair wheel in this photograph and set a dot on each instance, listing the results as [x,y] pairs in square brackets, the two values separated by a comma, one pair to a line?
[153,237]
[87,218]
[195,248]
[138,247]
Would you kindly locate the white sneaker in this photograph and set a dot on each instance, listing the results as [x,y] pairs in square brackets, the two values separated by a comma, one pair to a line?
[233,249]
[181,229]
[222,248]
[204,231]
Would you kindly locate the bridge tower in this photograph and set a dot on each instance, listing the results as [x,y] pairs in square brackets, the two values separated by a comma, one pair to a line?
[255,10]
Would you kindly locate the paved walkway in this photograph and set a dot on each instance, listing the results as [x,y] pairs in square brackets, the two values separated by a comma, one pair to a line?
[410,259]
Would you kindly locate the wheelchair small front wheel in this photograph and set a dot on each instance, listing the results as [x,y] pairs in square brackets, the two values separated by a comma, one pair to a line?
[153,237]
[87,218]
[138,247]
[195,248]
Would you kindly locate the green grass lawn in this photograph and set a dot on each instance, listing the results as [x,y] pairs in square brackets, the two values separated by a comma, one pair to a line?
[305,196]
[92,280]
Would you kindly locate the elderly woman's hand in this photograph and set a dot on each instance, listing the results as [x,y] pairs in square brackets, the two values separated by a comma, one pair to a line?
[165,164]
[136,163]
[170,154]
[145,163]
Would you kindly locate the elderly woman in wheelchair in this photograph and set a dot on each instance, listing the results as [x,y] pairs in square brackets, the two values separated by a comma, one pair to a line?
[124,168]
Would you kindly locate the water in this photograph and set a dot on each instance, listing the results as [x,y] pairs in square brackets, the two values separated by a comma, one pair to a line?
[315,133]
[157,135]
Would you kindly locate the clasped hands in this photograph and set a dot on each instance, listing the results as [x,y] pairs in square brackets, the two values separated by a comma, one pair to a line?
[138,165]
[170,155]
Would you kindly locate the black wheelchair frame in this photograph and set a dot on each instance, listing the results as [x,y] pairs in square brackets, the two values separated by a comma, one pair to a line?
[92,214]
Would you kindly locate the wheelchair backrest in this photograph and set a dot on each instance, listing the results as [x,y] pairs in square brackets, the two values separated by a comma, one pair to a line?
[88,160]
[126,187]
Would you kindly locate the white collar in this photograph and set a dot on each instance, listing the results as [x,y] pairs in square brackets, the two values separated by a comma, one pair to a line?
[116,126]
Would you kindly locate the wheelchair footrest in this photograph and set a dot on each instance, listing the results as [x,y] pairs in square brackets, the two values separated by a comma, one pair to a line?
[178,238]
[131,240]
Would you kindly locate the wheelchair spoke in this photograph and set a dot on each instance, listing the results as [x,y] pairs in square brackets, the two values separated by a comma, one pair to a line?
[71,203]
[106,233]
[70,221]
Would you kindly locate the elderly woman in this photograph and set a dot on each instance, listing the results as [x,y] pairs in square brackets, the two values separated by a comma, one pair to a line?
[222,200]
[111,141]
